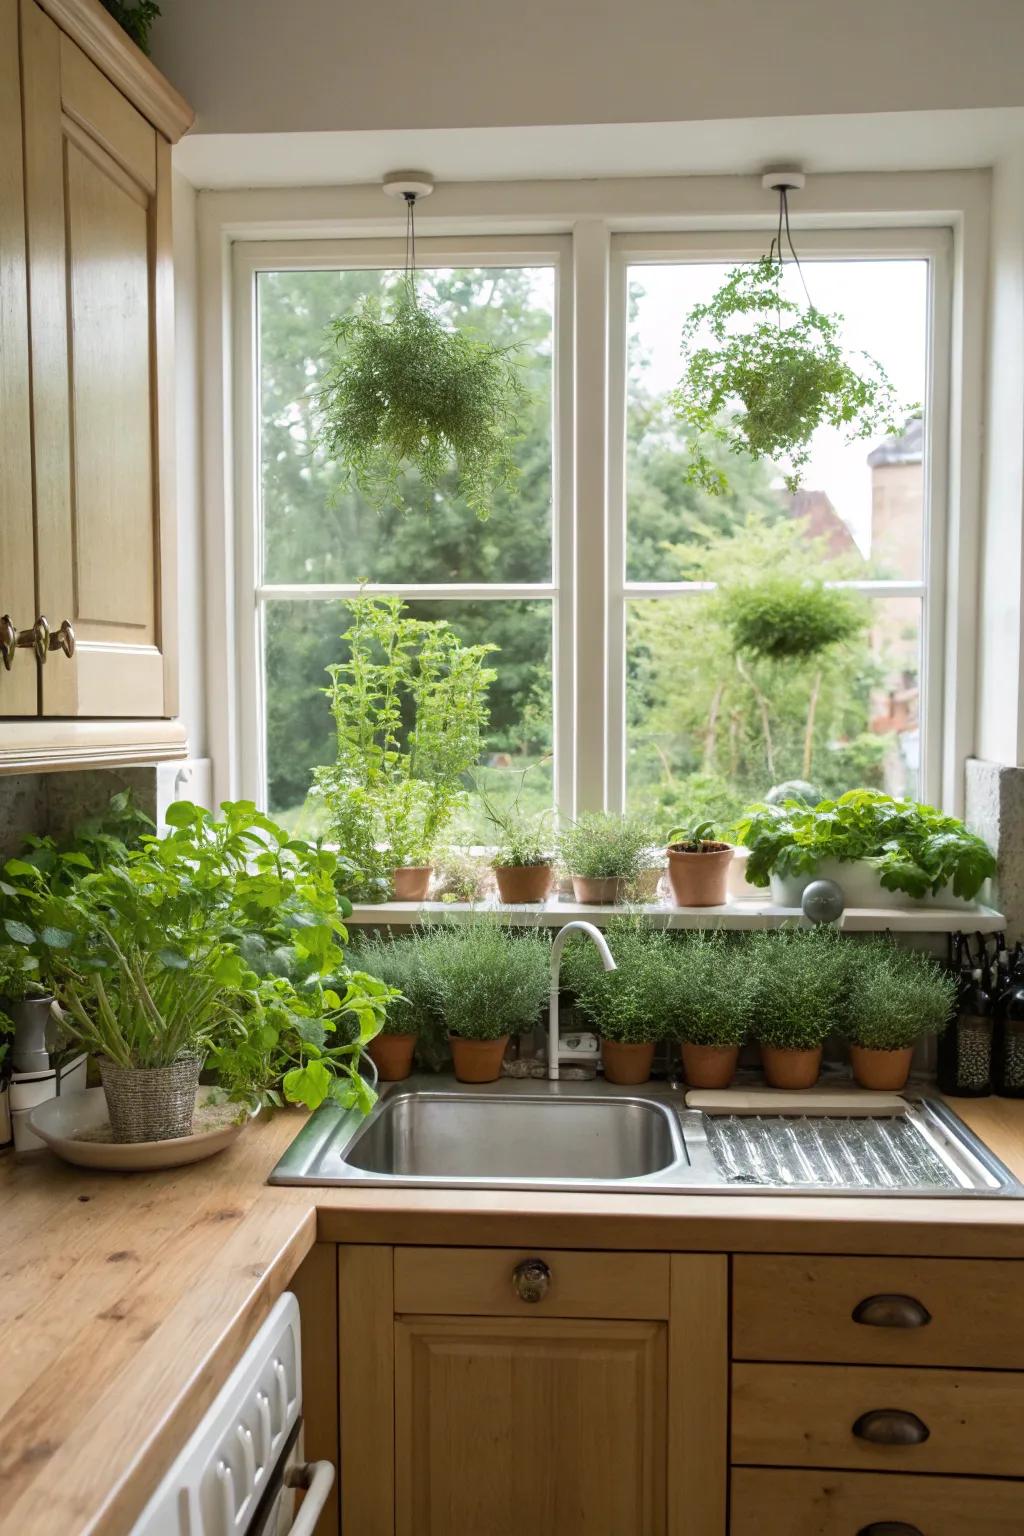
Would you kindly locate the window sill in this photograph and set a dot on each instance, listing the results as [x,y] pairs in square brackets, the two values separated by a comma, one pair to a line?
[736,914]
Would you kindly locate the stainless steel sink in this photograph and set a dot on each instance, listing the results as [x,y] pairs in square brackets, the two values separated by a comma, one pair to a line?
[514,1134]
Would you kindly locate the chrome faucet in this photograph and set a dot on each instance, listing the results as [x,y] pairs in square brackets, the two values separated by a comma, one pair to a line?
[556,965]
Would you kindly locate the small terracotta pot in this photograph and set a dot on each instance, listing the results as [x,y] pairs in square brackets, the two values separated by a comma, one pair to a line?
[709,1066]
[785,1067]
[884,1070]
[599,892]
[477,1061]
[518,883]
[626,1063]
[700,879]
[412,881]
[392,1056]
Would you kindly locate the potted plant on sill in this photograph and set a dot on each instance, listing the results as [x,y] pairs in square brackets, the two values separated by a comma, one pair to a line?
[797,979]
[485,983]
[710,1005]
[698,866]
[604,854]
[627,1007]
[410,709]
[894,998]
[523,866]
[411,1012]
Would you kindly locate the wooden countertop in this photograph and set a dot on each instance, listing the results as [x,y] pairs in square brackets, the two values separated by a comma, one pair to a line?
[125,1299]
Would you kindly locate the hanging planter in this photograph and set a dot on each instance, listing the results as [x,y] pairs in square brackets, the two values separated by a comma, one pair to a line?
[407,392]
[764,372]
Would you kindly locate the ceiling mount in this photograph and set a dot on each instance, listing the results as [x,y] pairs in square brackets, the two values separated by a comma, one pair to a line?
[783,181]
[407,184]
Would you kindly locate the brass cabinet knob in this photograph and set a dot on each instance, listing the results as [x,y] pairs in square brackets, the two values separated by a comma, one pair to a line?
[890,1528]
[36,639]
[63,639]
[8,640]
[891,1426]
[886,1311]
[531,1279]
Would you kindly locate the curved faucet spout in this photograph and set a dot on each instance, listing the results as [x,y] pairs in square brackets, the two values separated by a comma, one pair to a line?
[608,962]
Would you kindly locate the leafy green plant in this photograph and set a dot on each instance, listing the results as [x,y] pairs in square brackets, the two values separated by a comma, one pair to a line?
[19,972]
[710,1000]
[407,390]
[412,1009]
[483,980]
[782,617]
[137,20]
[521,840]
[895,996]
[702,837]
[798,978]
[629,1005]
[600,845]
[409,707]
[914,847]
[787,379]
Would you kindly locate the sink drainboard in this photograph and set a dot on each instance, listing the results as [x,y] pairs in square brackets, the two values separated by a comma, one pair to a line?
[826,1152]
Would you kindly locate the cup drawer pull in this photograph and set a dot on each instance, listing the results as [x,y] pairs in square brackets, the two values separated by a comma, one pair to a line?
[891,1312]
[531,1279]
[891,1426]
[890,1528]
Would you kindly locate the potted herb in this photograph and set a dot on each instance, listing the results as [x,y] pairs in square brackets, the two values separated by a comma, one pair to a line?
[410,709]
[410,1013]
[698,866]
[797,978]
[710,1005]
[604,854]
[895,996]
[628,1006]
[523,866]
[24,1000]
[485,983]
[882,851]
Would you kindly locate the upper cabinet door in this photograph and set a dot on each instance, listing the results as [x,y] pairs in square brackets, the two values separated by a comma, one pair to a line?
[18,688]
[97,191]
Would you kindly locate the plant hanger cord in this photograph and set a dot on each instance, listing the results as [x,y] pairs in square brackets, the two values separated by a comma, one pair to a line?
[775,249]
[410,243]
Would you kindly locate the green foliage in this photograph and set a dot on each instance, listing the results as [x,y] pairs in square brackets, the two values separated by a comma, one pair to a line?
[711,994]
[630,1004]
[914,847]
[407,390]
[399,963]
[137,20]
[409,707]
[788,378]
[460,876]
[19,968]
[783,617]
[695,838]
[895,996]
[797,979]
[483,980]
[521,840]
[600,845]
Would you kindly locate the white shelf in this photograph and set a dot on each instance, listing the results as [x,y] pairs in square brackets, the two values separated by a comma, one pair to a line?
[735,915]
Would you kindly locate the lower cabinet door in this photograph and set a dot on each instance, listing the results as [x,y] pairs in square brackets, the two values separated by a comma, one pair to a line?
[508,1426]
[790,1503]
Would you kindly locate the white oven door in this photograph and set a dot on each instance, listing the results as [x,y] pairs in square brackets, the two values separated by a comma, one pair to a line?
[296,1495]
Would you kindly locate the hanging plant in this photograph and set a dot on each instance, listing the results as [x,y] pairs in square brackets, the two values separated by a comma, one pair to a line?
[405,391]
[789,618]
[763,373]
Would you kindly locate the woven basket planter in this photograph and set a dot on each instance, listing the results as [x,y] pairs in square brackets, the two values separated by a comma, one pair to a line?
[151,1103]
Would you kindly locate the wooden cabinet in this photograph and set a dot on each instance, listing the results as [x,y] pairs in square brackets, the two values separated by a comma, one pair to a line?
[787,1503]
[86,329]
[588,1397]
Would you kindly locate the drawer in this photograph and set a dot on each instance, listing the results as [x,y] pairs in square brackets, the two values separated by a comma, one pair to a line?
[869,1504]
[966,1312]
[805,1416]
[463,1282]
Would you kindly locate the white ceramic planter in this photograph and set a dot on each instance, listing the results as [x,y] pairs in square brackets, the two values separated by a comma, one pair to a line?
[861,887]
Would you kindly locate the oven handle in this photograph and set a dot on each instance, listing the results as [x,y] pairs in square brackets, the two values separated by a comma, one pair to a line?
[317,1478]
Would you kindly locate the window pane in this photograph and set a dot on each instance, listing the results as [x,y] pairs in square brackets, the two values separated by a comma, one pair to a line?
[313,529]
[708,734]
[865,499]
[302,639]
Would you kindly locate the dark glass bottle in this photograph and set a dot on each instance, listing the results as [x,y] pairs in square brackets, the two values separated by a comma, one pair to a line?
[964,1066]
[1008,1053]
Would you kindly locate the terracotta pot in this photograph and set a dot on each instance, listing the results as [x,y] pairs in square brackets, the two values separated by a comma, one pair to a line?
[599,892]
[700,879]
[412,881]
[709,1066]
[392,1056]
[518,883]
[626,1063]
[785,1067]
[477,1061]
[884,1070]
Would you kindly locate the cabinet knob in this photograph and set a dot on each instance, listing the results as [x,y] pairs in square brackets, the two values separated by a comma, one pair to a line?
[890,1528]
[8,640]
[64,639]
[891,1312]
[891,1426]
[36,639]
[531,1279]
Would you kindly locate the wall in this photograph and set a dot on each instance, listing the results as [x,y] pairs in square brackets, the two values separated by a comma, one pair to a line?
[258,65]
